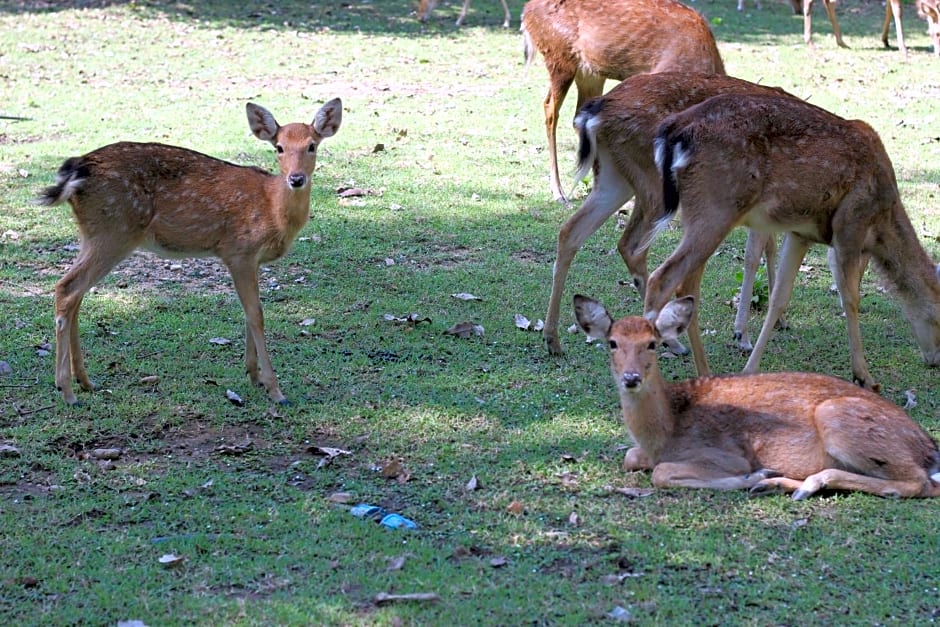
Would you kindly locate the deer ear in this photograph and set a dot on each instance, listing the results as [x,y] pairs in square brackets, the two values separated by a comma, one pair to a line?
[262,123]
[592,317]
[328,118]
[674,319]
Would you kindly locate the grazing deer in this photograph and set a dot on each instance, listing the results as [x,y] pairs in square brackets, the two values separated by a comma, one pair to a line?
[775,163]
[178,202]
[589,41]
[616,133]
[791,432]
[426,6]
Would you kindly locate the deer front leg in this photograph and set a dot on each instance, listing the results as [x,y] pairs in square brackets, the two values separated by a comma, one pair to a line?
[753,250]
[636,459]
[257,361]
[560,83]
[708,475]
[847,272]
[831,12]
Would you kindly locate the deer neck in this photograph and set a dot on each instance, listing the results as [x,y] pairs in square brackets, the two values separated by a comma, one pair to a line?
[648,414]
[291,206]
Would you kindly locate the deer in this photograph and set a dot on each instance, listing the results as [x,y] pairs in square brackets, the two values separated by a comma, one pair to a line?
[928,10]
[177,202]
[795,433]
[779,164]
[426,6]
[589,41]
[616,133]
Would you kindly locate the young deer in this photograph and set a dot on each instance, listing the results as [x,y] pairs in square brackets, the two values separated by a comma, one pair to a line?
[178,202]
[616,133]
[777,163]
[426,6]
[589,41]
[789,432]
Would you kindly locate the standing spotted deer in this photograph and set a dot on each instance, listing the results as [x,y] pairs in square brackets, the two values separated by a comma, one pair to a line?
[586,42]
[791,432]
[778,164]
[616,134]
[426,6]
[181,203]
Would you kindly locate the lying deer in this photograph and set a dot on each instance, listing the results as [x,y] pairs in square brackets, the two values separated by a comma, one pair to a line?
[616,134]
[177,202]
[776,163]
[792,432]
[589,41]
[426,6]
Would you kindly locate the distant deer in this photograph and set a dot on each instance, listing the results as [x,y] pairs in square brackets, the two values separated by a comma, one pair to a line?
[778,164]
[426,6]
[590,41]
[789,432]
[926,9]
[181,203]
[616,134]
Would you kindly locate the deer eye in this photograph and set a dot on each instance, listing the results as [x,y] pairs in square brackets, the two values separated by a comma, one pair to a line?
[280,149]
[312,147]
[612,344]
[651,346]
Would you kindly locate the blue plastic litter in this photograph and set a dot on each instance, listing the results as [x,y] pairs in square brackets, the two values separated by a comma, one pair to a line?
[364,510]
[397,521]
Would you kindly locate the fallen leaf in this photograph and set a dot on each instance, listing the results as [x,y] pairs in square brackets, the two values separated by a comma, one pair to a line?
[354,192]
[522,322]
[8,450]
[473,484]
[395,469]
[340,497]
[221,341]
[498,562]
[464,330]
[382,598]
[171,561]
[634,493]
[105,453]
[465,296]
[911,399]
[396,563]
[515,508]
[412,319]
[620,614]
[149,380]
[234,398]
[328,453]
[306,322]
[234,449]
[573,519]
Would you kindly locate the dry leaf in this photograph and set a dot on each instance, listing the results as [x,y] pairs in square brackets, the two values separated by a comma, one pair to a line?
[411,319]
[395,469]
[234,449]
[396,563]
[105,453]
[620,614]
[149,380]
[635,493]
[328,453]
[465,296]
[473,484]
[464,330]
[8,450]
[221,341]
[498,562]
[341,497]
[515,508]
[573,519]
[911,399]
[382,598]
[306,322]
[171,561]
[522,322]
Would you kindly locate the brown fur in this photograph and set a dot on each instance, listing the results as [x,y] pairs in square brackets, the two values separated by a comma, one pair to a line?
[786,165]
[589,41]
[617,132]
[783,432]
[178,202]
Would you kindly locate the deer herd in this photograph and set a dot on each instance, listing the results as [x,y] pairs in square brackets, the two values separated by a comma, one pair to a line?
[681,139]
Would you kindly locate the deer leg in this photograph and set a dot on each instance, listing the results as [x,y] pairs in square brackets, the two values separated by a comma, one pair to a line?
[847,272]
[710,469]
[560,83]
[770,258]
[609,193]
[794,249]
[507,17]
[835,479]
[463,12]
[831,12]
[753,251]
[94,261]
[808,22]
[257,361]
[636,459]
[692,286]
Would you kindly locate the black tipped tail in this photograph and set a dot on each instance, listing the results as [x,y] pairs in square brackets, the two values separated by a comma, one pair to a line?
[68,180]
[585,125]
[672,152]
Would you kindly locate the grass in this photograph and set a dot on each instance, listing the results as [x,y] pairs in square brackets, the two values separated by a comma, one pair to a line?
[459,203]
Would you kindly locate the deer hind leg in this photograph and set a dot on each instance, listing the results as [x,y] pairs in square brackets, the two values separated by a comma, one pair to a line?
[560,82]
[836,479]
[95,259]
[794,249]
[257,361]
[753,251]
[831,12]
[893,8]
[609,193]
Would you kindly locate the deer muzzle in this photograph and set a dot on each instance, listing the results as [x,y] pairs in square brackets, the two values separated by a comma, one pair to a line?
[297,180]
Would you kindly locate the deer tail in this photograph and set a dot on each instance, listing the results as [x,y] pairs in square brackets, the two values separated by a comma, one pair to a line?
[673,151]
[528,47]
[69,179]
[586,123]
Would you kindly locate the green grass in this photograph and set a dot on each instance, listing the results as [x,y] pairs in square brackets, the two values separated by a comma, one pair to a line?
[461,204]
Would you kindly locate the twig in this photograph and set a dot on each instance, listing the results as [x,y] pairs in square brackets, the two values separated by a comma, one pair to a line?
[26,412]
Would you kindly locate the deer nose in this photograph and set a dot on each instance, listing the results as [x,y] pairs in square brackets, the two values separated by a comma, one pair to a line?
[631,379]
[297,180]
